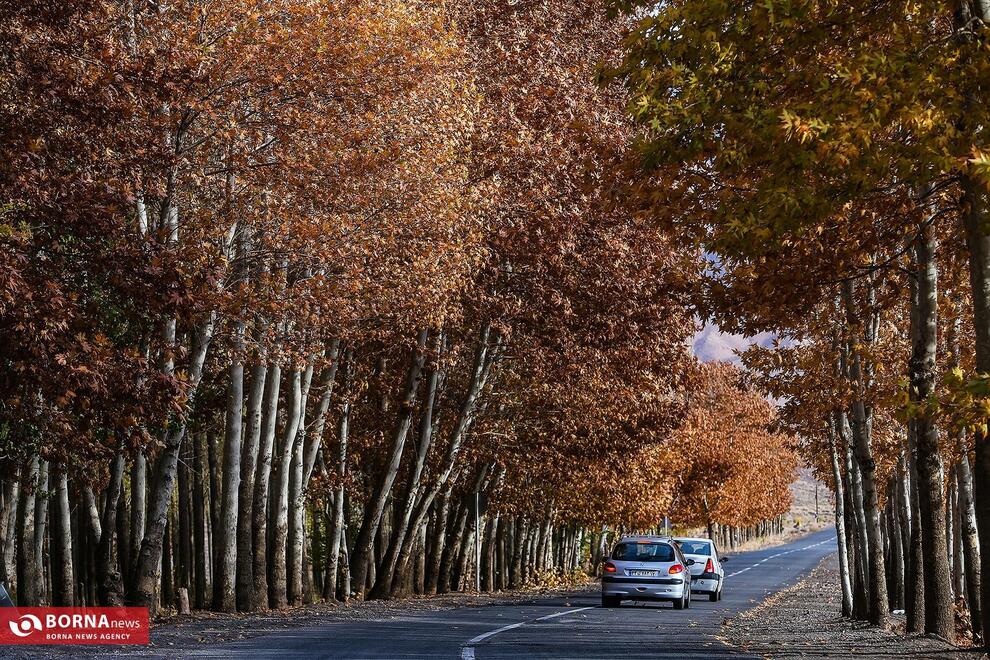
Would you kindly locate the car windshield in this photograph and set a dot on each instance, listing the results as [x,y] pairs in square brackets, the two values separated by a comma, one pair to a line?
[643,551]
[696,547]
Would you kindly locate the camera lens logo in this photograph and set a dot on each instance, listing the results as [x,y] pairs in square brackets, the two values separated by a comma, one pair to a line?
[26,625]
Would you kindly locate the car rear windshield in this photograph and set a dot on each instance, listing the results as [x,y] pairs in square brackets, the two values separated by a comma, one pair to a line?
[643,552]
[696,547]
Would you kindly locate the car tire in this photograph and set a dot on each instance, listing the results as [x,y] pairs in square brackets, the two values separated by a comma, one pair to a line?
[680,603]
[687,605]
[611,601]
[715,596]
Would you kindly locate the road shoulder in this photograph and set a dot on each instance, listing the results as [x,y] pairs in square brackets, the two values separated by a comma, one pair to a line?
[804,620]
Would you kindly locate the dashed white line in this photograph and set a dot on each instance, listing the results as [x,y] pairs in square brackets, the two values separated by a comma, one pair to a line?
[781,554]
[467,652]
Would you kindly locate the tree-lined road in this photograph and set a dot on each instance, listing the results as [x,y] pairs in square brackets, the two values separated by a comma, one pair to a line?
[570,627]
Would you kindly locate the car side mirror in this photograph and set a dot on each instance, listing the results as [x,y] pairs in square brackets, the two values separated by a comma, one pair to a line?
[723,559]
[691,562]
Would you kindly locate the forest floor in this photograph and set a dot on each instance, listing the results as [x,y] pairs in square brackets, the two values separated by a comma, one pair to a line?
[803,621]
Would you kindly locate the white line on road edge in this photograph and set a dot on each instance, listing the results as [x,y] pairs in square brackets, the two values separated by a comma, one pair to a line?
[467,653]
[781,554]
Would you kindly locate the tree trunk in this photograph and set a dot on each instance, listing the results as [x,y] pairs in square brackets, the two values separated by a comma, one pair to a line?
[379,496]
[108,578]
[246,601]
[225,572]
[277,589]
[335,534]
[861,377]
[916,567]
[146,571]
[201,549]
[259,505]
[184,539]
[8,557]
[303,459]
[840,524]
[971,542]
[62,582]
[138,518]
[939,619]
[402,533]
[28,589]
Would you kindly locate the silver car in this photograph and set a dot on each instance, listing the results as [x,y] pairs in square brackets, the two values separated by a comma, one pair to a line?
[707,574]
[646,568]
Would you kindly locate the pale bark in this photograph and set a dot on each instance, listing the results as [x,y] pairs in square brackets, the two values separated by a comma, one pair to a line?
[861,377]
[840,525]
[278,597]
[146,577]
[383,587]
[138,509]
[8,569]
[259,506]
[369,525]
[109,587]
[336,531]
[62,579]
[225,572]
[28,587]
[939,618]
[970,538]
[249,459]
[307,444]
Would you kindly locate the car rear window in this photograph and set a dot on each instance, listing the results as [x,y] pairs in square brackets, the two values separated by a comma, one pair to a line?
[696,547]
[643,552]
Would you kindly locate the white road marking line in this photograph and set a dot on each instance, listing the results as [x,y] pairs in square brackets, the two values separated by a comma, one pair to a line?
[781,554]
[467,652]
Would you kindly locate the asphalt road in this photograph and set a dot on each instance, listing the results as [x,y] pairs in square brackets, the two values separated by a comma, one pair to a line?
[570,627]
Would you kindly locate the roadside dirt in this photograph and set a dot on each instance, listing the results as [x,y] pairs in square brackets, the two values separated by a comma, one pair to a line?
[803,621]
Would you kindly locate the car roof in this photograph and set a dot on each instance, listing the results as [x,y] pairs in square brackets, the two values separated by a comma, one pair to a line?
[646,537]
[690,538]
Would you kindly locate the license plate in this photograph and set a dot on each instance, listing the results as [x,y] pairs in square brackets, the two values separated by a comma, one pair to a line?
[643,573]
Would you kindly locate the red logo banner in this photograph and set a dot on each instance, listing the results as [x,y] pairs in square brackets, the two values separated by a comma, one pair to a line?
[73,625]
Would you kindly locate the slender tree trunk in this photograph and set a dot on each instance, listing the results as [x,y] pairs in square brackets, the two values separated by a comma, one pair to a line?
[28,589]
[109,587]
[376,505]
[861,422]
[8,553]
[308,442]
[402,533]
[840,525]
[259,506]
[62,582]
[939,619]
[184,539]
[277,588]
[916,568]
[146,578]
[970,539]
[138,520]
[225,572]
[201,549]
[335,535]
[249,459]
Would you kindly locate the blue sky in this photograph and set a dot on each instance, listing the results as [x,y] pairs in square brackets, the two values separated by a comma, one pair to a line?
[710,343]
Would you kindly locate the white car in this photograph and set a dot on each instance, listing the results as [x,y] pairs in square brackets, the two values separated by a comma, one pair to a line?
[707,574]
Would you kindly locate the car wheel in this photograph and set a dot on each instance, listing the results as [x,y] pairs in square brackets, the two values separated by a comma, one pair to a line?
[611,601]
[679,603]
[688,603]
[715,596]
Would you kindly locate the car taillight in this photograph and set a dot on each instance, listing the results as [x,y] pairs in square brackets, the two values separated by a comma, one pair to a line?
[709,567]
[609,567]
[675,569]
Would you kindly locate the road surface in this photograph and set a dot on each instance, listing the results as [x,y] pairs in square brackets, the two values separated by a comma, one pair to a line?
[569,627]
